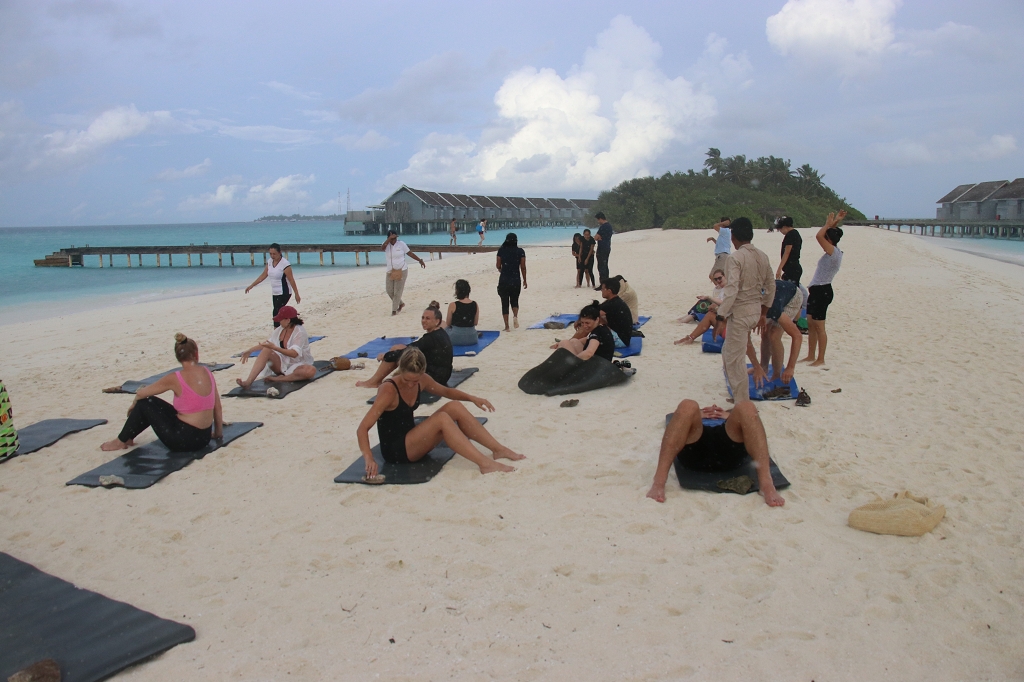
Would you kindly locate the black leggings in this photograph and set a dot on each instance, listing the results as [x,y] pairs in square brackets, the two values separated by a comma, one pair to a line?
[509,296]
[280,301]
[588,268]
[161,415]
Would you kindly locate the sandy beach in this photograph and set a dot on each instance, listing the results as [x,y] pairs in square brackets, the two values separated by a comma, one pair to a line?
[562,569]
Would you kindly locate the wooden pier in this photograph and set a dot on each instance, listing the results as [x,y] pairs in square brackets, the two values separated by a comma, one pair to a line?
[75,255]
[977,229]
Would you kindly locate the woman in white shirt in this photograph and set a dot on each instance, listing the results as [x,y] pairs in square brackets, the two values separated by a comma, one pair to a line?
[282,281]
[285,356]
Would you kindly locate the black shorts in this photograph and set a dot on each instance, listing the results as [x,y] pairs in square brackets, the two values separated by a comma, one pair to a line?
[818,299]
[713,451]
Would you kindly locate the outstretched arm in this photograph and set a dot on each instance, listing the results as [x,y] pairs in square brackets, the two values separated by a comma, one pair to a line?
[522,269]
[259,279]
[386,395]
[830,222]
[291,282]
[431,386]
[417,258]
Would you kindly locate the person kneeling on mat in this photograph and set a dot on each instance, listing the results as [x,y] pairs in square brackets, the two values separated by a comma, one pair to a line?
[592,338]
[715,448]
[191,422]
[404,441]
[435,345]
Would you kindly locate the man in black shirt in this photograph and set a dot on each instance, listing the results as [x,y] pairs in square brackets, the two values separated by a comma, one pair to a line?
[789,267]
[436,347]
[615,313]
[604,245]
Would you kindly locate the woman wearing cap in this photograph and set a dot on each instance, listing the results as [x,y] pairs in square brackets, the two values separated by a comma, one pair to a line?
[193,419]
[403,441]
[285,356]
[282,281]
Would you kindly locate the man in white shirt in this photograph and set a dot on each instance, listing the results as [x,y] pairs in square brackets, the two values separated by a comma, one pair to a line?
[395,252]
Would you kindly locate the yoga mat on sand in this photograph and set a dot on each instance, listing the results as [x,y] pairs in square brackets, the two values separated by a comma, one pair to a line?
[569,318]
[485,339]
[133,386]
[255,353]
[89,636]
[690,479]
[259,387]
[406,473]
[636,344]
[147,464]
[47,432]
[769,385]
[457,377]
[709,344]
[377,346]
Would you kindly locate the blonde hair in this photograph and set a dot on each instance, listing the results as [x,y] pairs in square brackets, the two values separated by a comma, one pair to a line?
[185,348]
[413,361]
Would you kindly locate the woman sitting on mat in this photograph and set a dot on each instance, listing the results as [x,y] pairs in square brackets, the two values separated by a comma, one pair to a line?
[463,317]
[435,345]
[285,356]
[403,441]
[592,338]
[707,304]
[195,416]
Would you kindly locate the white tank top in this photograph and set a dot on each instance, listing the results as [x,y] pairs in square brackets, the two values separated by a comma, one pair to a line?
[275,273]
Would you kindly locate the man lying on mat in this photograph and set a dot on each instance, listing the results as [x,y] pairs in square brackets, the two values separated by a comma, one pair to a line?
[715,448]
[434,344]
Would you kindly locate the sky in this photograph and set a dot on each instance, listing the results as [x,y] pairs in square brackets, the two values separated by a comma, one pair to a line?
[119,112]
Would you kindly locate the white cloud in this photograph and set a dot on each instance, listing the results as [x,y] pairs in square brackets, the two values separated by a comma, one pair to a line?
[267,134]
[66,147]
[608,120]
[368,141]
[845,35]
[946,147]
[224,195]
[292,91]
[285,192]
[190,172]
[721,70]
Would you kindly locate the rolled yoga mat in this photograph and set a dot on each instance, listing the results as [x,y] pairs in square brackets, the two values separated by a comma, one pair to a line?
[47,432]
[147,464]
[402,474]
[564,373]
[133,386]
[90,636]
[457,377]
[259,387]
[691,479]
[485,339]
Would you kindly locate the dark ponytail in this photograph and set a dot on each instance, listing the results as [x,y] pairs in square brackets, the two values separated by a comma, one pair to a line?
[592,311]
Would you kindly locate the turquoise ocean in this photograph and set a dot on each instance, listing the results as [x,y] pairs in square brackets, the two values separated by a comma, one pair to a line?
[30,292]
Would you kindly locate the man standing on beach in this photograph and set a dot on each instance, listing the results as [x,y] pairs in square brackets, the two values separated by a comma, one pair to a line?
[749,293]
[395,252]
[604,246]
[722,248]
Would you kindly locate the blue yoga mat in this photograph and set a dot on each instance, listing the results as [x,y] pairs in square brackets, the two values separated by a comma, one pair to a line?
[708,344]
[380,345]
[256,353]
[486,339]
[636,344]
[568,318]
[758,393]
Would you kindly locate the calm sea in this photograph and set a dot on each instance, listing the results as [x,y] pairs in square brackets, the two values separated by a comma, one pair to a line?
[29,292]
[1003,250]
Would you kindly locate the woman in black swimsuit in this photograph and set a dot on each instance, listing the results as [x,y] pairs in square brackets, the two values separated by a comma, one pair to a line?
[463,317]
[402,440]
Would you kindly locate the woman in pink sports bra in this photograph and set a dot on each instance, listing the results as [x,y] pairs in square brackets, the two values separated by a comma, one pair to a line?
[196,415]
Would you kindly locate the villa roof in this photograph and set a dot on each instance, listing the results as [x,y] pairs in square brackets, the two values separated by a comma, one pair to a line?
[1011,190]
[561,203]
[540,203]
[981,191]
[501,202]
[954,195]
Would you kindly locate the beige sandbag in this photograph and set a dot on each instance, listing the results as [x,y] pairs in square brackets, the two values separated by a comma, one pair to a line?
[904,514]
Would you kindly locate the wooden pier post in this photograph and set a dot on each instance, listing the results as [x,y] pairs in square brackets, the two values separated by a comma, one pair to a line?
[232,259]
[158,260]
[200,258]
[101,260]
[189,259]
[298,258]
[170,261]
[220,260]
[140,260]
[321,259]
[110,257]
[129,259]
[332,258]
[357,259]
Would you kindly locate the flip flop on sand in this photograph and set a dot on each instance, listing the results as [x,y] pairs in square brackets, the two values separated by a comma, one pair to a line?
[570,403]
[802,399]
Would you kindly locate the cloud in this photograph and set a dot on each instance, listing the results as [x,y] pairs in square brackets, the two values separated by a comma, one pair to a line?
[845,35]
[285,192]
[268,134]
[946,147]
[608,120]
[113,125]
[224,195]
[721,70]
[190,172]
[292,91]
[120,21]
[368,141]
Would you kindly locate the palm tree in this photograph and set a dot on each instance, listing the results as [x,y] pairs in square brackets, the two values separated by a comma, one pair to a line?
[809,180]
[736,170]
[714,161]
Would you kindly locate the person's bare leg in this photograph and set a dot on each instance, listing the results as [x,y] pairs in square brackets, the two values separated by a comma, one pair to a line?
[266,357]
[300,373]
[701,327]
[789,326]
[822,342]
[574,346]
[504,316]
[685,427]
[115,444]
[778,351]
[378,377]
[425,436]
[766,348]
[812,339]
[515,318]
[744,425]
[474,430]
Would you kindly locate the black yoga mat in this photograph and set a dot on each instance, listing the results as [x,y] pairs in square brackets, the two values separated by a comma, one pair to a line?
[708,480]
[402,474]
[564,373]
[133,386]
[259,387]
[147,464]
[47,432]
[90,636]
[457,377]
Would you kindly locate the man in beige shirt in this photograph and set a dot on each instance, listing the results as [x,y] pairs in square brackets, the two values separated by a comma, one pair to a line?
[749,292]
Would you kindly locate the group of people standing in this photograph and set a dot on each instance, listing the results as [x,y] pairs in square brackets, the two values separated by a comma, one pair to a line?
[587,248]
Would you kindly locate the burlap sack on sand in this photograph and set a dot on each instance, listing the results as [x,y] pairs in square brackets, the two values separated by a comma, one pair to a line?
[904,514]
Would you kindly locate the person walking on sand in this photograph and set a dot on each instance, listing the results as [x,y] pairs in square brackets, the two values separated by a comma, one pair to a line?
[282,281]
[451,231]
[511,262]
[605,232]
[722,243]
[749,293]
[819,292]
[395,251]
[481,229]
[692,445]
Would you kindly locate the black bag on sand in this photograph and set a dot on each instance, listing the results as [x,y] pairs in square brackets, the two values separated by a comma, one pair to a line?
[564,373]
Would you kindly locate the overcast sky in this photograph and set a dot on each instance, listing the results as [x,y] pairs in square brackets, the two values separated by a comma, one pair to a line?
[116,112]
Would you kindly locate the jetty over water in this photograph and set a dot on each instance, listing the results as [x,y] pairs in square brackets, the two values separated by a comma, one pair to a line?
[75,255]
[978,229]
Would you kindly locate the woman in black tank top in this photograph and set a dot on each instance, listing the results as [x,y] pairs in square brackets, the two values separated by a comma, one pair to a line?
[463,316]
[402,440]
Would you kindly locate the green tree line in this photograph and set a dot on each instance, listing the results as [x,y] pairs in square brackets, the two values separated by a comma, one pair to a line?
[761,189]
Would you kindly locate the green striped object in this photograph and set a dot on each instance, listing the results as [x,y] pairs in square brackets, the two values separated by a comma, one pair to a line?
[8,434]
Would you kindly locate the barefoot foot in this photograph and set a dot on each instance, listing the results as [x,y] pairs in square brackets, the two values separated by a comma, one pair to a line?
[515,322]
[505,453]
[772,497]
[817,363]
[685,341]
[243,384]
[657,492]
[491,467]
[115,444]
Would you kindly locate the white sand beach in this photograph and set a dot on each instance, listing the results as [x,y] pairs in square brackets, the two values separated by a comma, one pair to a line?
[562,569]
